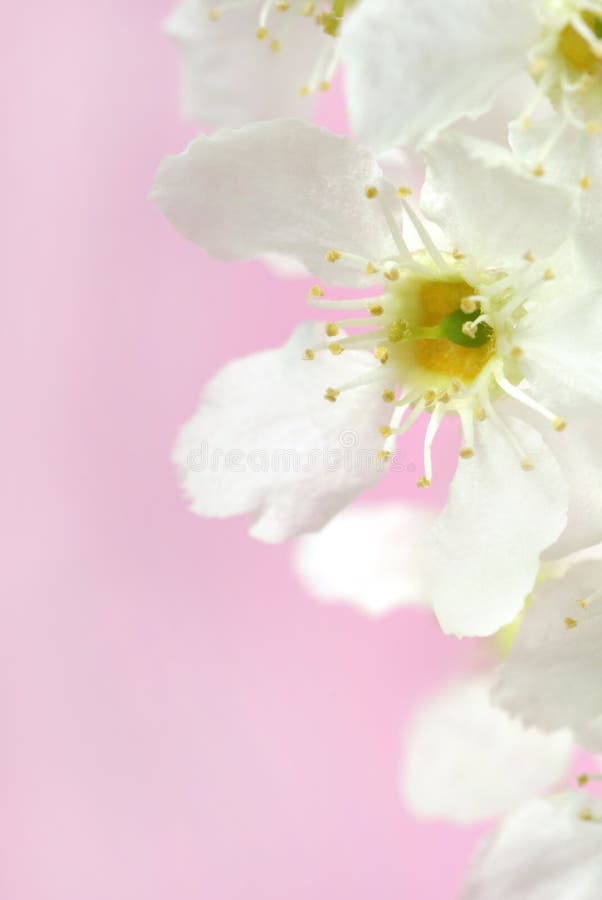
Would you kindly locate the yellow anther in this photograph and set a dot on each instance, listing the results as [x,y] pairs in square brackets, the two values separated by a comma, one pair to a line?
[331,329]
[443,397]
[392,274]
[383,456]
[479,414]
[385,430]
[371,192]
[468,305]
[538,66]
[466,453]
[309,9]
[213,15]
[585,183]
[582,780]
[309,354]
[397,330]
[517,353]
[525,123]
[429,397]
[282,6]
[275,46]
[469,329]
[381,354]
[370,270]
[261,33]
[586,815]
[538,171]
[305,91]
[528,256]
[423,482]
[376,309]
[336,349]
[583,603]
[403,191]
[316,291]
[558,424]
[389,396]
[324,86]
[457,254]
[331,395]
[456,385]
[549,275]
[592,127]
[527,464]
[570,623]
[332,256]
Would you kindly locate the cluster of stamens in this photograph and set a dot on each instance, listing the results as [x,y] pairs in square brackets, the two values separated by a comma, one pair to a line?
[444,333]
[327,16]
[566,65]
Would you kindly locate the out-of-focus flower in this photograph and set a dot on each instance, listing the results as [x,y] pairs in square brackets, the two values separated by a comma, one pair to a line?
[553,675]
[495,330]
[246,60]
[416,66]
[549,849]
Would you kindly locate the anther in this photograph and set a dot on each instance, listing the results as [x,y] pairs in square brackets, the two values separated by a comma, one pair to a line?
[549,275]
[332,256]
[538,171]
[275,46]
[592,127]
[583,603]
[213,15]
[403,191]
[423,482]
[585,183]
[282,6]
[335,349]
[397,330]
[517,353]
[309,354]
[331,329]
[385,430]
[305,91]
[376,309]
[466,453]
[371,192]
[480,414]
[457,254]
[528,256]
[456,385]
[586,815]
[527,464]
[570,623]
[443,397]
[381,354]
[558,424]
[331,395]
[324,86]
[370,270]
[383,456]
[316,291]
[392,274]
[389,396]
[469,329]
[261,33]
[429,397]
[309,9]
[582,780]
[538,66]
[468,305]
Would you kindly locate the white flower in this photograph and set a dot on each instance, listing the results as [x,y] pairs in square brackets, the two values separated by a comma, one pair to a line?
[416,66]
[553,675]
[245,60]
[550,849]
[494,331]
[368,557]
[465,760]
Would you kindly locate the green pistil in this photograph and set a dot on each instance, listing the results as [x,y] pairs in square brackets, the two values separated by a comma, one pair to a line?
[449,328]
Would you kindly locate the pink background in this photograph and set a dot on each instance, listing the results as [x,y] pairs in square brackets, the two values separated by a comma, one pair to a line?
[179,720]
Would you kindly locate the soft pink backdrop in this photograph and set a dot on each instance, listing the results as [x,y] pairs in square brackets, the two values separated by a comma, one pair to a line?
[179,720]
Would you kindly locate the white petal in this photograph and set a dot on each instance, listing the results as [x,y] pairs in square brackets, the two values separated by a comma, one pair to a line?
[366,556]
[415,66]
[466,760]
[229,77]
[488,206]
[482,555]
[277,187]
[553,676]
[544,851]
[264,440]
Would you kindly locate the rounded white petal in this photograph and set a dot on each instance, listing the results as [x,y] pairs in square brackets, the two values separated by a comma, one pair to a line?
[282,187]
[465,759]
[229,77]
[547,850]
[553,675]
[265,441]
[482,555]
[366,556]
[488,206]
[416,66]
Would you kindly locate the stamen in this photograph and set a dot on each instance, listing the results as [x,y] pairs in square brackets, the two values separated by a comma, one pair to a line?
[557,422]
